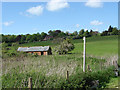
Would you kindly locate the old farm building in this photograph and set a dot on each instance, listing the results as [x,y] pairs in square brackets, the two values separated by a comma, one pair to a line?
[40,50]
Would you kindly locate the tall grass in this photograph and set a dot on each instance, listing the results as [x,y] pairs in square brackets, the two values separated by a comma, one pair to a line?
[48,70]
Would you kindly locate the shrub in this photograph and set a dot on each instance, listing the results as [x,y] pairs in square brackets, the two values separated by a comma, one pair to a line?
[15,44]
[12,54]
[14,79]
[64,47]
[35,55]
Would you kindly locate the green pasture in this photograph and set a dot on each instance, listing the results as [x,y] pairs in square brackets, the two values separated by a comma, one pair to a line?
[98,45]
[98,48]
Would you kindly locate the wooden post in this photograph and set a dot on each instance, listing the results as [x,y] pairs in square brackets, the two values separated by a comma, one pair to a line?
[30,83]
[113,62]
[116,64]
[84,54]
[88,67]
[101,65]
[67,76]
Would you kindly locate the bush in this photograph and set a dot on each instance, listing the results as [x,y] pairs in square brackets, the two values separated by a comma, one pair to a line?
[12,54]
[89,80]
[35,55]
[64,47]
[15,44]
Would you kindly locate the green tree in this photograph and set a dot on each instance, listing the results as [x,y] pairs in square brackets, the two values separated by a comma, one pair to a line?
[81,32]
[67,33]
[18,38]
[114,31]
[91,33]
[34,37]
[28,38]
[110,29]
[64,47]
[62,34]
[104,33]
[86,34]
[38,37]
[75,33]
[50,33]
[43,35]
[4,39]
[23,38]
[11,38]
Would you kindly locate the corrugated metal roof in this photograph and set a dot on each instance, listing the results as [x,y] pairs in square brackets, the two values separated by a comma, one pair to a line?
[38,48]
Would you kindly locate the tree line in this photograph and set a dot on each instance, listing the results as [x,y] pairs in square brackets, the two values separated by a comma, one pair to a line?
[57,34]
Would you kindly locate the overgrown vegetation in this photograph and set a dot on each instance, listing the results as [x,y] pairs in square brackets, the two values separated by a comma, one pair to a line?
[64,47]
[50,71]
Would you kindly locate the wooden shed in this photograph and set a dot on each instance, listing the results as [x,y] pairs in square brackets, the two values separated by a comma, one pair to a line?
[40,50]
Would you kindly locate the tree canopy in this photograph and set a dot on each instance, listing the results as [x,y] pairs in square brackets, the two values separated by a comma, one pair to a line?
[54,34]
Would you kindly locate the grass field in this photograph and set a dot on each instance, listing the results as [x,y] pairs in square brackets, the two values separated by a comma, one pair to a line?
[100,46]
[50,71]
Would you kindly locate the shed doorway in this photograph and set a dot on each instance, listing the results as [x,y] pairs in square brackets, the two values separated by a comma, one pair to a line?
[41,53]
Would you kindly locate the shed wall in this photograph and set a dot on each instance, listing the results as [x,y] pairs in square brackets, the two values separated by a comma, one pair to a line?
[45,53]
[40,53]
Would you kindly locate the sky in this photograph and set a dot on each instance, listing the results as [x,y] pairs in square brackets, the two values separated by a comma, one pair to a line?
[33,17]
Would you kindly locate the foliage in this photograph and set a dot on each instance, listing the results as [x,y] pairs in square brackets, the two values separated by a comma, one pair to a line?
[50,71]
[114,31]
[21,39]
[75,33]
[57,41]
[81,32]
[64,47]
[40,80]
[113,83]
[111,31]
[86,34]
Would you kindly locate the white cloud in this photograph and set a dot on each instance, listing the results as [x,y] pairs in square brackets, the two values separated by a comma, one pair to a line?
[94,3]
[54,5]
[96,22]
[85,29]
[25,14]
[8,23]
[77,25]
[38,10]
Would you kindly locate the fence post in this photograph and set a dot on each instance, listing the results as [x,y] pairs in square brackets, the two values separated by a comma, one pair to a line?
[67,76]
[116,64]
[84,54]
[30,83]
[101,65]
[88,67]
[113,62]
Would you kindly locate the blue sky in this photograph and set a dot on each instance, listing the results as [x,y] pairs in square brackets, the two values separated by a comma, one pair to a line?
[33,17]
